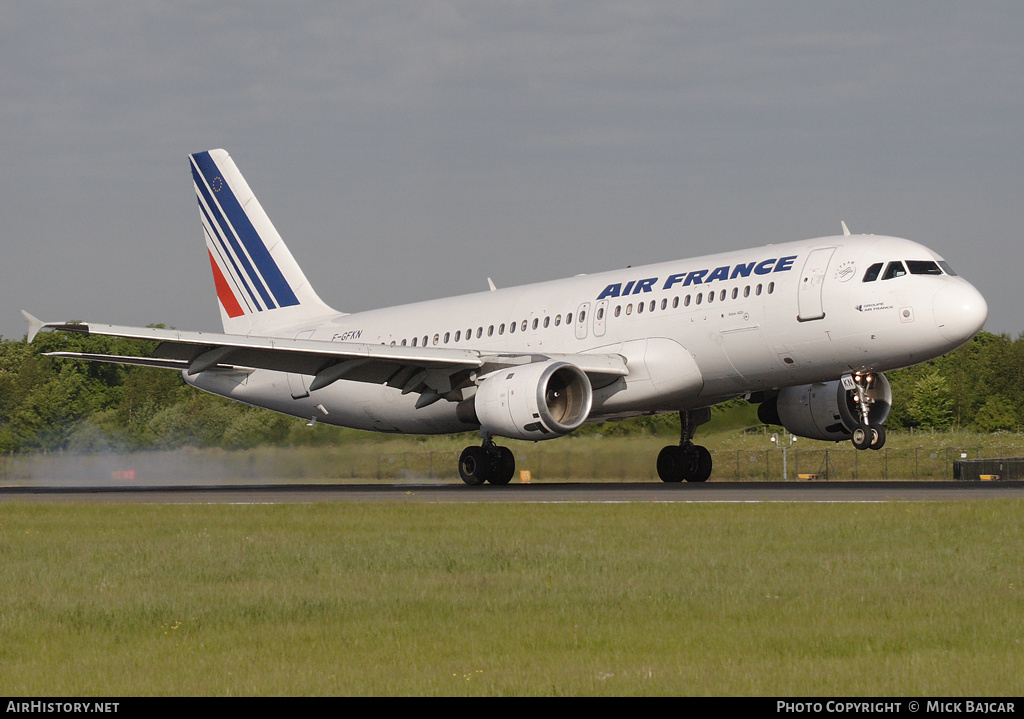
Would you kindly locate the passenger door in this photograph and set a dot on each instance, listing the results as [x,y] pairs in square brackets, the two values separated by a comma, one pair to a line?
[809,295]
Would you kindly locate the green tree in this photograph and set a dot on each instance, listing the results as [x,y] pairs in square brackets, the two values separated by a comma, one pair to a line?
[998,413]
[930,404]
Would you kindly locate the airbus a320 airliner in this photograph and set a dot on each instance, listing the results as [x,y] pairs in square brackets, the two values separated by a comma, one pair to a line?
[806,329]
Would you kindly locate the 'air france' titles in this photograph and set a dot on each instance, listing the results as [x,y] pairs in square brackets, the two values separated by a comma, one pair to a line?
[699,277]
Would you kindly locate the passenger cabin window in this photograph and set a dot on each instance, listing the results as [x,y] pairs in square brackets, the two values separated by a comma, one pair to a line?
[923,267]
[872,274]
[895,269]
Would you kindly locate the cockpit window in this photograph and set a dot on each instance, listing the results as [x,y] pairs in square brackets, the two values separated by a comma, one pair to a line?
[923,267]
[895,269]
[946,268]
[872,274]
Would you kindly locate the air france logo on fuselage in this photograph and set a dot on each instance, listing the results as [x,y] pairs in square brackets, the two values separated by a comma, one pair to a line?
[699,277]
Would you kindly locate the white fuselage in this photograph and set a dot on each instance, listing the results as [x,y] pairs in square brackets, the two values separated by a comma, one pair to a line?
[693,332]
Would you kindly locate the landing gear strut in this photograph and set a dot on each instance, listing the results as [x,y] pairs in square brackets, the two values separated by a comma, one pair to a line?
[867,434]
[488,463]
[686,460]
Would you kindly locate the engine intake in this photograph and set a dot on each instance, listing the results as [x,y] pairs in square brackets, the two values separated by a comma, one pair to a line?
[542,400]
[826,410]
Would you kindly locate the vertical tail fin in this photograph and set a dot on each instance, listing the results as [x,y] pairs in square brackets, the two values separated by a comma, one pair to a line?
[259,284]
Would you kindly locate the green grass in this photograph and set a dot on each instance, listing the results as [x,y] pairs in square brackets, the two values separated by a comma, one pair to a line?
[505,599]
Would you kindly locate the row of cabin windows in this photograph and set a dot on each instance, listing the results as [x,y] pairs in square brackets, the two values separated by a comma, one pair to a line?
[491,330]
[700,298]
[915,267]
[697,299]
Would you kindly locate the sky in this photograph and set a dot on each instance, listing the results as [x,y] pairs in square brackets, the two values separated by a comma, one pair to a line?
[410,150]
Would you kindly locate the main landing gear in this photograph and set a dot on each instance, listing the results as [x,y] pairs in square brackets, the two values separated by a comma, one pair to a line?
[489,463]
[867,434]
[686,460]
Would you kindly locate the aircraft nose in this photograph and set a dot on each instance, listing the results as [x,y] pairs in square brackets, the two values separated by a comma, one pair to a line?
[959,311]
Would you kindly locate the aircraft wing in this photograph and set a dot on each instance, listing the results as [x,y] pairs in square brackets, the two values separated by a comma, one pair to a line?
[438,370]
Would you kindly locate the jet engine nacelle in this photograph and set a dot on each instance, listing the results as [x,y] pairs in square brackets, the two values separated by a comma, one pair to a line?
[541,400]
[827,410]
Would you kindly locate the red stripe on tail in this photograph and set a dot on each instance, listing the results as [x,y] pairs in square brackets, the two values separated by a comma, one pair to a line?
[224,293]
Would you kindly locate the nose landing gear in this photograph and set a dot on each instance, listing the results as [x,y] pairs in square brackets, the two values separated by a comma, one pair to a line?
[867,434]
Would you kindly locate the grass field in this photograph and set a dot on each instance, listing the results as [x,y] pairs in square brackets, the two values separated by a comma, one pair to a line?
[502,599]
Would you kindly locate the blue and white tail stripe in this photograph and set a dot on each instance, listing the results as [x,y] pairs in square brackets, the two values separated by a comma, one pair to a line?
[235,239]
[259,284]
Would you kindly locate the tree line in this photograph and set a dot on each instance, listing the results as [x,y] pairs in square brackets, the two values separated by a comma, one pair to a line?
[51,403]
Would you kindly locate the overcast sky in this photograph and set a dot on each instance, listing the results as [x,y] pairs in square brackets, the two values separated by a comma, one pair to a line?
[409,150]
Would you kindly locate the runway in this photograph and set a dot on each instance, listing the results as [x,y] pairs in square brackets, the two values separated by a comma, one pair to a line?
[867,491]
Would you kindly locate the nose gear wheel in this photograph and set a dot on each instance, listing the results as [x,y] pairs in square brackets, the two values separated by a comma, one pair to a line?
[867,434]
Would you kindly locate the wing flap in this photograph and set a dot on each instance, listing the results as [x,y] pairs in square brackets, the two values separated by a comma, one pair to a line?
[120,359]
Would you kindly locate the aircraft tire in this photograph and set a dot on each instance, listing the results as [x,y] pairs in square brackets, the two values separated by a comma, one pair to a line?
[877,436]
[672,463]
[474,466]
[703,465]
[504,467]
[862,436]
